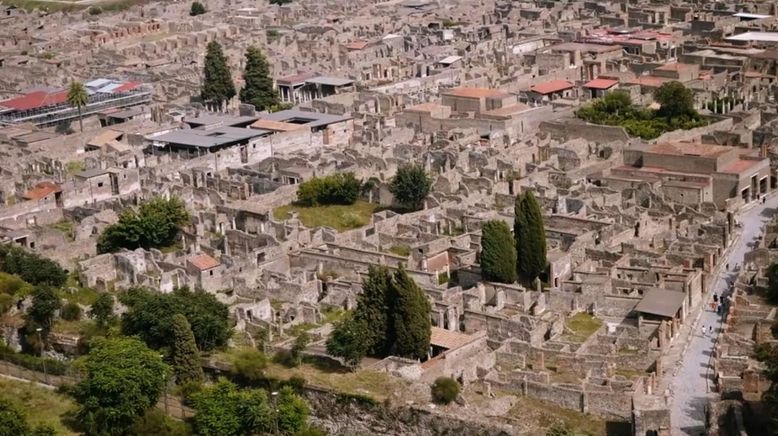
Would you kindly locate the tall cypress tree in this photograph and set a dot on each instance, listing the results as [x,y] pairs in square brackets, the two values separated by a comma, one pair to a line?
[186,357]
[411,311]
[498,253]
[258,89]
[217,81]
[530,237]
[373,310]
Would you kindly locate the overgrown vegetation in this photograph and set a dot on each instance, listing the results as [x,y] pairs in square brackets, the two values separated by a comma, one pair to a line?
[616,109]
[581,326]
[155,224]
[445,390]
[39,409]
[339,217]
[338,188]
[392,317]
[410,186]
[150,317]
[31,267]
[197,9]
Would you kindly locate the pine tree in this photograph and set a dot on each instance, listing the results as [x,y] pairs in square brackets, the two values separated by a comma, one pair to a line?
[217,82]
[373,310]
[186,357]
[258,89]
[530,237]
[411,313]
[498,253]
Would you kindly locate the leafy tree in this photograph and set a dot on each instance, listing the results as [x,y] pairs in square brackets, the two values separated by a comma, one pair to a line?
[12,420]
[300,344]
[411,313]
[410,186]
[772,282]
[258,89]
[44,430]
[445,390]
[217,80]
[676,100]
[70,312]
[292,411]
[156,224]
[123,380]
[373,310]
[155,422]
[102,310]
[197,9]
[31,267]
[45,304]
[498,253]
[223,410]
[250,364]
[78,98]
[348,341]
[530,237]
[186,358]
[339,188]
[150,317]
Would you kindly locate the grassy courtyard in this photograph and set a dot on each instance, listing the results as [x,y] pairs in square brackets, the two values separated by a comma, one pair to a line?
[41,406]
[339,217]
[580,326]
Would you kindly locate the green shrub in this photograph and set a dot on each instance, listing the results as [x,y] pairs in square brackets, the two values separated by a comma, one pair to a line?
[250,364]
[95,10]
[340,188]
[70,312]
[444,390]
[197,9]
[34,363]
[31,267]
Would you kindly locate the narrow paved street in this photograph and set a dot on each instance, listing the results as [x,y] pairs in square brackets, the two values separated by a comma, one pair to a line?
[690,386]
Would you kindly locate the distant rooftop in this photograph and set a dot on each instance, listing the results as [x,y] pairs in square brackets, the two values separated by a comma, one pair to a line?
[476,93]
[755,37]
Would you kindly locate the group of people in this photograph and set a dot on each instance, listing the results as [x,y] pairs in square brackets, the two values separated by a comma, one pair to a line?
[716,305]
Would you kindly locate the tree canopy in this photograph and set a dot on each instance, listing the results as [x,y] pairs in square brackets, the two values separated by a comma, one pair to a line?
[258,89]
[123,380]
[616,109]
[78,98]
[225,410]
[392,317]
[150,317]
[155,224]
[338,188]
[12,420]
[31,267]
[530,236]
[410,186]
[498,252]
[676,100]
[102,310]
[217,80]
[197,9]
[187,366]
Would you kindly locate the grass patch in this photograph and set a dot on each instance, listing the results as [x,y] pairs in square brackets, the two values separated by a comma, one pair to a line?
[82,327]
[339,217]
[542,415]
[41,406]
[378,385]
[67,227]
[629,373]
[581,326]
[75,293]
[332,315]
[400,250]
[75,167]
[297,329]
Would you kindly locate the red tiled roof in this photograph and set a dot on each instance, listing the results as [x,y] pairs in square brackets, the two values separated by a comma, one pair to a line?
[204,262]
[475,92]
[295,79]
[601,83]
[551,87]
[356,45]
[650,81]
[41,190]
[129,86]
[36,99]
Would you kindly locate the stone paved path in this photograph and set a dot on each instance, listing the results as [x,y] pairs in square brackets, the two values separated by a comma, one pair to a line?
[690,383]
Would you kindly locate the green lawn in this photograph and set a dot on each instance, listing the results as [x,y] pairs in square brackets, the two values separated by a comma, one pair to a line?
[542,415]
[339,217]
[400,250]
[41,406]
[582,325]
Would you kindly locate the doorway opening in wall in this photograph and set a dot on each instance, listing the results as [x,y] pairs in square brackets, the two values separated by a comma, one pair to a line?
[763,185]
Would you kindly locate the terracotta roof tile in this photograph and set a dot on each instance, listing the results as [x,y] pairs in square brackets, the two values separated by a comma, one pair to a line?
[204,262]
[476,93]
[41,190]
[551,86]
[601,83]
